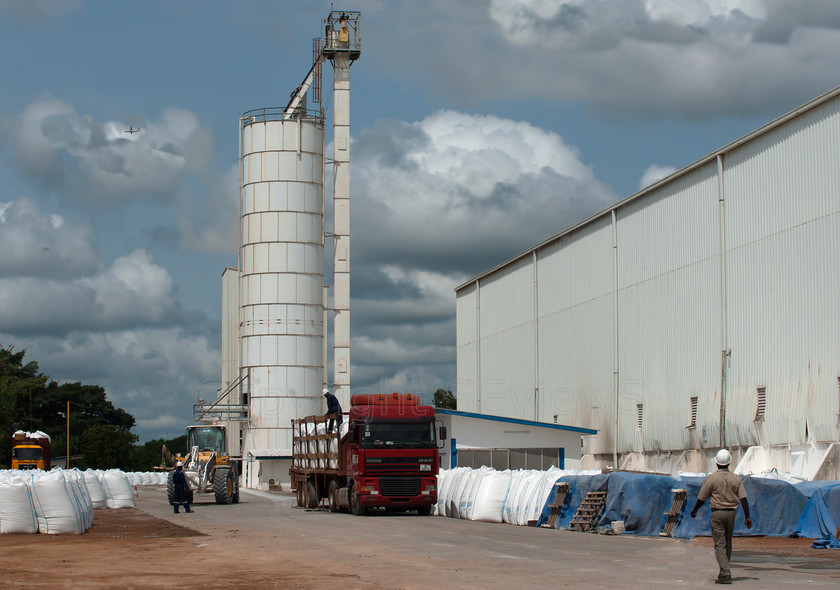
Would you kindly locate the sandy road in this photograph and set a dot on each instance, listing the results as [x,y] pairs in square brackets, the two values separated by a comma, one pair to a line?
[263,542]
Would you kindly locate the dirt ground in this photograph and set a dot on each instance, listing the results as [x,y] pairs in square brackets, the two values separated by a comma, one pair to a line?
[129,548]
[776,546]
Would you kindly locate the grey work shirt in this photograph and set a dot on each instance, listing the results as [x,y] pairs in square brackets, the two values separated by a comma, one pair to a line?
[723,489]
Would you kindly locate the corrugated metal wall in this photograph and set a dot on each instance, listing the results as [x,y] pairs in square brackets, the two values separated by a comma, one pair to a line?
[725,276]
[783,257]
[669,313]
[576,310]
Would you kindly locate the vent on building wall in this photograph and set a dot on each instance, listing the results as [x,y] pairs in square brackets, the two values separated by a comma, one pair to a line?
[762,400]
[693,423]
[639,409]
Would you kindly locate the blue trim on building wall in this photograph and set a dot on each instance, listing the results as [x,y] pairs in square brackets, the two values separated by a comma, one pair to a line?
[453,453]
[561,453]
[516,421]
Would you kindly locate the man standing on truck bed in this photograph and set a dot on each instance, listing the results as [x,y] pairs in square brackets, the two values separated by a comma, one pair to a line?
[333,407]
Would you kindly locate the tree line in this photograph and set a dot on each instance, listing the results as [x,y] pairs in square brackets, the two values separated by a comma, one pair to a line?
[100,434]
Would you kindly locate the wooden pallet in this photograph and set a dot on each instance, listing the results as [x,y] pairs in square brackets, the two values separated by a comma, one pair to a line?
[588,512]
[674,513]
[559,503]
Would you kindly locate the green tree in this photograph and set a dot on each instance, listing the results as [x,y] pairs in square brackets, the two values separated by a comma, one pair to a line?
[29,400]
[106,446]
[445,400]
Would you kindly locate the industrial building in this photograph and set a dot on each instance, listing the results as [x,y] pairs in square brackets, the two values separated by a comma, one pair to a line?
[701,312]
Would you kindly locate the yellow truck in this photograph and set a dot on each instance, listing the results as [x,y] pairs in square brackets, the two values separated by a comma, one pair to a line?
[31,450]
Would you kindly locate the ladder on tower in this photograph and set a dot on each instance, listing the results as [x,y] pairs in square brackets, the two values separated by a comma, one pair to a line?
[588,512]
[674,513]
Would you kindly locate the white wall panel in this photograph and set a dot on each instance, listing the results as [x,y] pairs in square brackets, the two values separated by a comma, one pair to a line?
[466,328]
[669,312]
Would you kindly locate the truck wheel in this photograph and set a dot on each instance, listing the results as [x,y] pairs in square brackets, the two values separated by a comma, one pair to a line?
[223,486]
[333,500]
[424,511]
[170,488]
[310,495]
[356,506]
[299,493]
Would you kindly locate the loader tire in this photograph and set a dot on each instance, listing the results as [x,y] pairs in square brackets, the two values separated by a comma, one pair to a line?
[224,485]
[170,488]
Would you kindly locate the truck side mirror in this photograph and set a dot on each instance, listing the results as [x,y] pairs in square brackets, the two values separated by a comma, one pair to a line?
[442,433]
[353,434]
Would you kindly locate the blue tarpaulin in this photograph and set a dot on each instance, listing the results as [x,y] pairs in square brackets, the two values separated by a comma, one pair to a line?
[641,501]
[821,515]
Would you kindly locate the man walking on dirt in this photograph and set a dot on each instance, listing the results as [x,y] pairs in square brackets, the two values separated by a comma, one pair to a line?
[724,490]
[181,485]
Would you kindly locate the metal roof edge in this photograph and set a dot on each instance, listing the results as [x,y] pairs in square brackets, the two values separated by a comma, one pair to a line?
[516,421]
[766,128]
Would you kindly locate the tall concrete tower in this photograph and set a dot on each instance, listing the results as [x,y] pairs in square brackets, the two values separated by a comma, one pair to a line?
[342,46]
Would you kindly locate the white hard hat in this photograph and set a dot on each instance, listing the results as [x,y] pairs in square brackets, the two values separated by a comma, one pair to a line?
[179,464]
[723,458]
[326,391]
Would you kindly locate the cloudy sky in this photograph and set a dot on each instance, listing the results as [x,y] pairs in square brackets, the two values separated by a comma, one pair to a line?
[480,128]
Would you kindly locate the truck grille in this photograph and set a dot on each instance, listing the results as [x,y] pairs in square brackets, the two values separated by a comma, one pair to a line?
[399,486]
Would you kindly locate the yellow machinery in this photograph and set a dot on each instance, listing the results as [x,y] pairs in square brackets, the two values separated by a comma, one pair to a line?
[208,466]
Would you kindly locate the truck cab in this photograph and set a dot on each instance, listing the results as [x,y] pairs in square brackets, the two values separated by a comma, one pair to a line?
[31,450]
[392,453]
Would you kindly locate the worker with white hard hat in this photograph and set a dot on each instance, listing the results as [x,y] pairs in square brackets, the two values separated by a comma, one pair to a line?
[180,489]
[724,490]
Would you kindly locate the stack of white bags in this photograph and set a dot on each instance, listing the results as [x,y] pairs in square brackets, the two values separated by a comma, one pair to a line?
[62,501]
[514,497]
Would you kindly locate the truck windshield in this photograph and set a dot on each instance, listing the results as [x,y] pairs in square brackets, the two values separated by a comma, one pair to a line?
[208,439]
[28,454]
[410,435]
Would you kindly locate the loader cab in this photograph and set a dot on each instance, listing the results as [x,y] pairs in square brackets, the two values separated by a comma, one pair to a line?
[207,438]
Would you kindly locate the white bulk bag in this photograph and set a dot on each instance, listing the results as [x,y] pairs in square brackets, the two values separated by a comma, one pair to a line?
[95,489]
[55,506]
[118,491]
[490,497]
[442,486]
[17,514]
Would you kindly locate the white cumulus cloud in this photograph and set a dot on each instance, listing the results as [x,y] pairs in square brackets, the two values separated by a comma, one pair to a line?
[99,163]
[655,173]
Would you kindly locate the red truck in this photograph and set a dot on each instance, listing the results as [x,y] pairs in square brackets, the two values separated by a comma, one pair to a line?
[31,450]
[387,459]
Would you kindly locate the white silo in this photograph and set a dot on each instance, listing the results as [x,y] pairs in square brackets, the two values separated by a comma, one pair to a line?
[282,272]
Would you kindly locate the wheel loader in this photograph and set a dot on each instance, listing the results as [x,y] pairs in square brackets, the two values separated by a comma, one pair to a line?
[207,466]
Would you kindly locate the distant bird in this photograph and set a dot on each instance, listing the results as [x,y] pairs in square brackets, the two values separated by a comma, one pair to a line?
[132,130]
